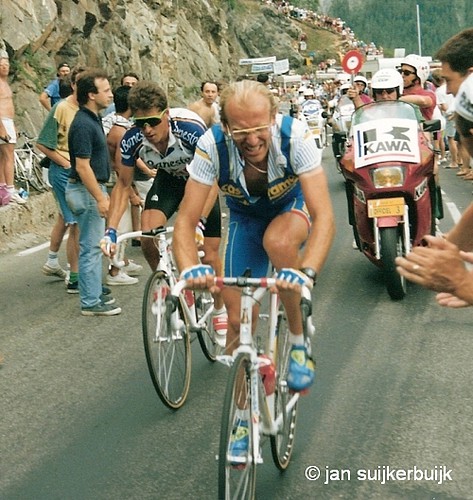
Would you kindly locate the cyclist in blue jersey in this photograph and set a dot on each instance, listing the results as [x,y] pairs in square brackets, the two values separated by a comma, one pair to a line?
[269,168]
[165,139]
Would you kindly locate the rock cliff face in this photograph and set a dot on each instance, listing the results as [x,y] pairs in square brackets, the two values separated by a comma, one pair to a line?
[177,43]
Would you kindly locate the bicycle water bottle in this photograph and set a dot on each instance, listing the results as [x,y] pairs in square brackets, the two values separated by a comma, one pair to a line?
[189,295]
[268,375]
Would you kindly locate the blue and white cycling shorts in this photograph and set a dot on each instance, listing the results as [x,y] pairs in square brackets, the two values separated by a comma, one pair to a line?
[244,245]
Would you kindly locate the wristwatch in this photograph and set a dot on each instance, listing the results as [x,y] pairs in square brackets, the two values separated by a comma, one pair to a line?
[310,273]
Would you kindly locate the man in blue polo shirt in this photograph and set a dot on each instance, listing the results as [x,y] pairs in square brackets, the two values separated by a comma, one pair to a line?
[86,193]
[50,95]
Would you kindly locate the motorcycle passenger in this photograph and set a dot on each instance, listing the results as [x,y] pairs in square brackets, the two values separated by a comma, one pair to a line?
[415,71]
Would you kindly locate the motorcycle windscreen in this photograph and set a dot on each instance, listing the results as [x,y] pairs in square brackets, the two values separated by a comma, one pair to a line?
[382,140]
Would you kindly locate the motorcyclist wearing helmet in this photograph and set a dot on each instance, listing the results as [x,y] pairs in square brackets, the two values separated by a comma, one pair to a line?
[357,92]
[414,71]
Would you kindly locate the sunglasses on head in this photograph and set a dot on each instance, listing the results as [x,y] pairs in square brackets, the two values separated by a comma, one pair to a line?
[380,91]
[406,72]
[151,121]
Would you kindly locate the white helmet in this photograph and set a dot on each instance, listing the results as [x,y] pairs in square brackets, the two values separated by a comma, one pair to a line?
[309,93]
[387,78]
[344,88]
[420,65]
[362,79]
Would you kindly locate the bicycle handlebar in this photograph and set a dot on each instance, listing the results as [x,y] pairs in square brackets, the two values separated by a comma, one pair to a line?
[145,234]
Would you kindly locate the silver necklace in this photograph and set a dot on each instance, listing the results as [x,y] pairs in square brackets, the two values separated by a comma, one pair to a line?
[255,167]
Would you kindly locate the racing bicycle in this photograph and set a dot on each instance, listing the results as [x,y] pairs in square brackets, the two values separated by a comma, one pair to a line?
[271,411]
[27,166]
[168,352]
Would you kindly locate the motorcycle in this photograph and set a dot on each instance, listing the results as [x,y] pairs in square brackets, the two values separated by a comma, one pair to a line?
[340,122]
[389,172]
[315,117]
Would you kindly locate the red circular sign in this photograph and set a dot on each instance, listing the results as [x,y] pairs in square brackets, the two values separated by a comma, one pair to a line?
[352,62]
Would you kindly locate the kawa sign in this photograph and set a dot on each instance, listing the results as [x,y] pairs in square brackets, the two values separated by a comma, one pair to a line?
[386,140]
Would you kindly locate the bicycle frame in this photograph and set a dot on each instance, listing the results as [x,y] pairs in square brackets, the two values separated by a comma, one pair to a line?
[262,405]
[166,265]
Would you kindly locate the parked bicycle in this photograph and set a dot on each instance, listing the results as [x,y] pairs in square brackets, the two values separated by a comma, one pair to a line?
[257,385]
[168,353]
[27,165]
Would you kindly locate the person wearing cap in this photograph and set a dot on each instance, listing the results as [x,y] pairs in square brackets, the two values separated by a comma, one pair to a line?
[442,264]
[50,95]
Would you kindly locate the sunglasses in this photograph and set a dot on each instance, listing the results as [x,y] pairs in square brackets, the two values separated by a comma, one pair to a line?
[406,72]
[239,135]
[380,91]
[151,121]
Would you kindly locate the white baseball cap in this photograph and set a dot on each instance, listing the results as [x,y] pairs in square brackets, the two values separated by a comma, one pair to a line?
[464,99]
[3,54]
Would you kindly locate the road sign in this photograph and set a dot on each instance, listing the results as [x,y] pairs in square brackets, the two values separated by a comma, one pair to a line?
[352,62]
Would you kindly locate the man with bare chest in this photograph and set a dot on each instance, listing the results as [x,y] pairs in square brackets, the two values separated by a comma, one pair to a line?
[8,193]
[206,107]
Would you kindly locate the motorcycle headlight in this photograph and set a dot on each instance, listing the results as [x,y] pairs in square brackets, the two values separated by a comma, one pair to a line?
[386,177]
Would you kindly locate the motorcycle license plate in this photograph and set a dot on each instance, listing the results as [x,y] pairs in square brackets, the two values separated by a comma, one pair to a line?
[386,207]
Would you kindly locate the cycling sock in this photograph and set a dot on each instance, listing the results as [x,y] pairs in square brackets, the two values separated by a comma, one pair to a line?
[219,311]
[73,277]
[296,339]
[52,259]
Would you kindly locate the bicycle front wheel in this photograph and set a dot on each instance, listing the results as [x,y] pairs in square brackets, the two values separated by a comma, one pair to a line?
[282,443]
[237,467]
[206,335]
[167,351]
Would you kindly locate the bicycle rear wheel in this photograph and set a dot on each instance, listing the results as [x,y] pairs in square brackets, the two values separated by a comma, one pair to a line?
[167,351]
[236,474]
[282,444]
[206,335]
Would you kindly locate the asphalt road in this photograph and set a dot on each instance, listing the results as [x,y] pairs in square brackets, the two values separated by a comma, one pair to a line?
[389,416]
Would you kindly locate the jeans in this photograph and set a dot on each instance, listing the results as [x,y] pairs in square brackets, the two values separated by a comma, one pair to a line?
[91,230]
[58,177]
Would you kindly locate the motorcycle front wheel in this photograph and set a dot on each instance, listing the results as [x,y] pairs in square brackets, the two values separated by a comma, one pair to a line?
[392,246]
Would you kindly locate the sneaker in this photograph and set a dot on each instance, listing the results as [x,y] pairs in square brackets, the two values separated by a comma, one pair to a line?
[54,271]
[120,279]
[16,198]
[301,372]
[106,291]
[132,268]
[220,325]
[72,287]
[101,309]
[239,441]
[108,300]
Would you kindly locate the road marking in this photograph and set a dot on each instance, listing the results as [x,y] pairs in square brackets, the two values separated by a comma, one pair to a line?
[37,248]
[454,212]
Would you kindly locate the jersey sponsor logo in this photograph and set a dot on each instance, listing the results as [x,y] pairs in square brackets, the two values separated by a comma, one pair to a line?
[232,190]
[280,188]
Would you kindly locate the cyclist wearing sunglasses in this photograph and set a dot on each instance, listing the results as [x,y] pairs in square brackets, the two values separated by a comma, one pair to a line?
[165,139]
[269,168]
